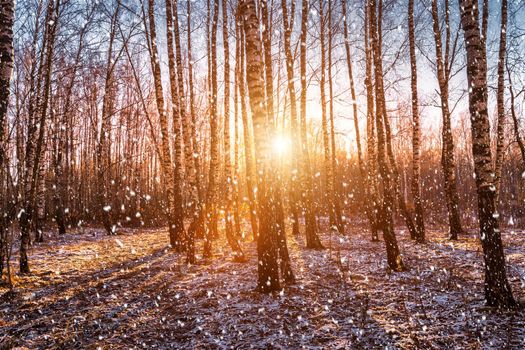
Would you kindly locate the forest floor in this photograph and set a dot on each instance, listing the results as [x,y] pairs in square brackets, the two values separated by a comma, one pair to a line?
[93,291]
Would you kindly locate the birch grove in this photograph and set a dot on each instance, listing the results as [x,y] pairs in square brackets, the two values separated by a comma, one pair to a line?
[292,126]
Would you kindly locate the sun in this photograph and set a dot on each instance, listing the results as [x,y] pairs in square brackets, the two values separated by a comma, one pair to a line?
[280,145]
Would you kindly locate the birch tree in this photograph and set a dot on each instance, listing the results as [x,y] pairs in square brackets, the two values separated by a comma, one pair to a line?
[312,239]
[498,292]
[103,151]
[178,117]
[175,222]
[288,22]
[373,199]
[7,12]
[36,133]
[448,163]
[385,218]
[230,234]
[500,136]
[416,129]
[247,134]
[213,176]
[268,272]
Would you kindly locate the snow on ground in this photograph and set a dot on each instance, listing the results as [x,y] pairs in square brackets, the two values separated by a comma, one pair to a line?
[131,291]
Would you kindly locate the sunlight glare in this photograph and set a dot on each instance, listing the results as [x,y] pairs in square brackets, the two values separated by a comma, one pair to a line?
[281,145]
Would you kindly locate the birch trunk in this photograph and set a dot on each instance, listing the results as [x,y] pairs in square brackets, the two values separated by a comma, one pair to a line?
[248,139]
[288,21]
[339,219]
[396,180]
[193,117]
[268,273]
[165,159]
[188,129]
[386,221]
[515,121]
[275,176]
[447,156]
[104,142]
[312,240]
[500,136]
[178,239]
[33,152]
[327,173]
[233,240]
[372,176]
[498,292]
[211,196]
[7,14]
[416,130]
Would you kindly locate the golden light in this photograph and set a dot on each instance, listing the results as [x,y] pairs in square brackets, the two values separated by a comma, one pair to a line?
[281,145]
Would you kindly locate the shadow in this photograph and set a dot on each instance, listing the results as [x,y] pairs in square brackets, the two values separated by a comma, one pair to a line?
[342,308]
[83,305]
[343,301]
[443,291]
